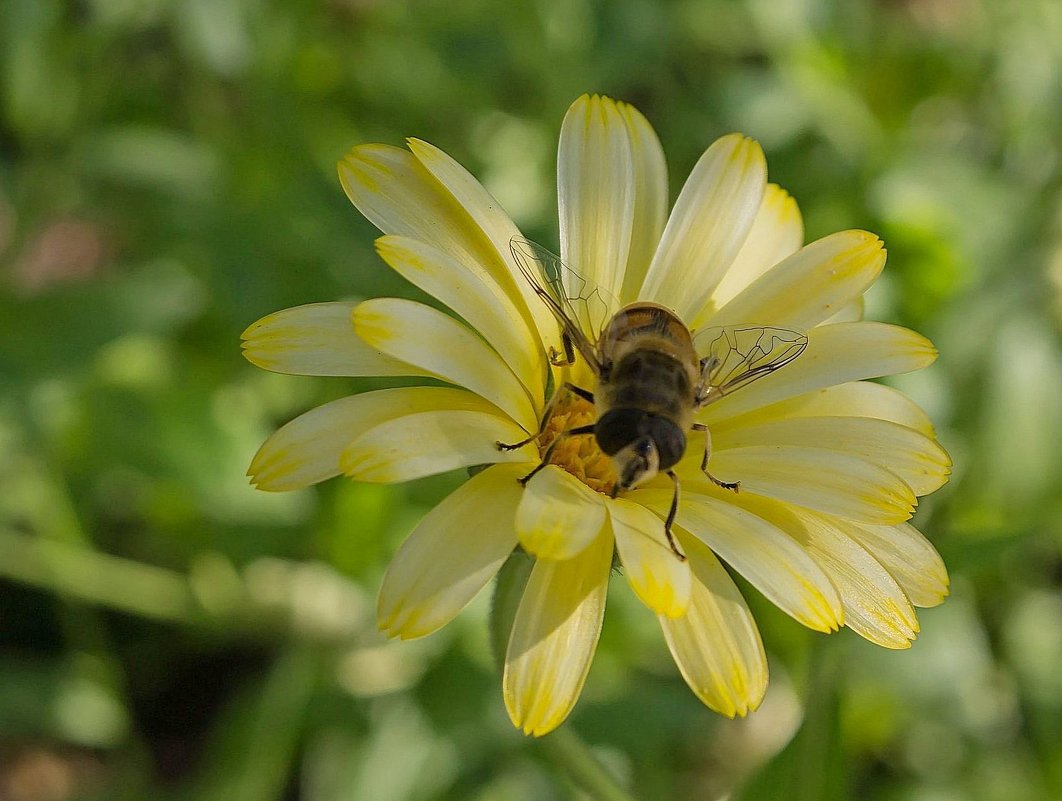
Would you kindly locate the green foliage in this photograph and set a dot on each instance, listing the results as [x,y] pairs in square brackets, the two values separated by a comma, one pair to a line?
[167,177]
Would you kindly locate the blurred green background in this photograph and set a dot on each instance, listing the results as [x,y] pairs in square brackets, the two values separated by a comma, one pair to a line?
[167,177]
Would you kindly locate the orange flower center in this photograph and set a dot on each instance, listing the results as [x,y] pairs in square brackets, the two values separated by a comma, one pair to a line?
[579,455]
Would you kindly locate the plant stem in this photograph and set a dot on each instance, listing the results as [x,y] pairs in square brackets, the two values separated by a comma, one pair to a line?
[566,749]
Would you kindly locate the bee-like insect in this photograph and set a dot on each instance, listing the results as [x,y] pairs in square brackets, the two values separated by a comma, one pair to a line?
[653,373]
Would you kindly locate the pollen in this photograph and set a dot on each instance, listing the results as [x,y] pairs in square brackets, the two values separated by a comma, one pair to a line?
[578,455]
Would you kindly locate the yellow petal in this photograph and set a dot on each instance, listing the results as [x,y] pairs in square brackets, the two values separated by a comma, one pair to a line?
[558,515]
[307,450]
[913,456]
[708,226]
[809,286]
[875,606]
[835,354]
[654,570]
[316,339]
[428,443]
[650,199]
[554,636]
[444,348]
[716,644]
[446,560]
[486,215]
[595,187]
[910,558]
[474,294]
[850,312]
[777,232]
[854,399]
[771,561]
[834,482]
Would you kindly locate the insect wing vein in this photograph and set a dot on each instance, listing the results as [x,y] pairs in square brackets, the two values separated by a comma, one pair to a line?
[735,356]
[582,307]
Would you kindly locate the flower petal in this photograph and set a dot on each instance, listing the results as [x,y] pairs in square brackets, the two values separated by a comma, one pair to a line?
[771,561]
[777,232]
[650,198]
[909,557]
[558,515]
[595,191]
[875,607]
[475,295]
[446,349]
[834,482]
[427,443]
[445,561]
[554,636]
[716,644]
[316,339]
[655,572]
[835,354]
[809,286]
[913,456]
[851,312]
[498,229]
[421,197]
[709,224]
[306,450]
[854,399]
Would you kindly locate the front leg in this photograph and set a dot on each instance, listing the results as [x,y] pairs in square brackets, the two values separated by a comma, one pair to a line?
[566,386]
[572,432]
[568,357]
[730,485]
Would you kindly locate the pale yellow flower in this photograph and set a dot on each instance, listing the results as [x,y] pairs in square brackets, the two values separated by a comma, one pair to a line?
[830,465]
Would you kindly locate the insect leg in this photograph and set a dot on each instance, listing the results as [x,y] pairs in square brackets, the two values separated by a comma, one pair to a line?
[573,432]
[569,352]
[567,385]
[671,518]
[730,485]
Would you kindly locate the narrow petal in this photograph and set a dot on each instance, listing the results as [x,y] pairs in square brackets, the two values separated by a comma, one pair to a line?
[394,192]
[398,194]
[913,456]
[851,312]
[445,561]
[835,354]
[650,198]
[655,572]
[910,558]
[428,443]
[854,399]
[316,339]
[875,607]
[475,295]
[558,515]
[487,215]
[716,644]
[446,349]
[834,482]
[777,232]
[771,561]
[306,450]
[708,226]
[809,286]
[595,191]
[554,637]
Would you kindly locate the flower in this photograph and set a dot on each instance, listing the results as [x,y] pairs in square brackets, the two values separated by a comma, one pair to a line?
[830,464]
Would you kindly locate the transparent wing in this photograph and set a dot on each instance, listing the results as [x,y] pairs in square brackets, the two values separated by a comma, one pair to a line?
[582,307]
[734,356]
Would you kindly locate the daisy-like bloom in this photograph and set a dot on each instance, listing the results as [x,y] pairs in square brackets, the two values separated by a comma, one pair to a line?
[830,464]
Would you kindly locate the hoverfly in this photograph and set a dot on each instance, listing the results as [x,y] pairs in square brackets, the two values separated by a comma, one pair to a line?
[653,373]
